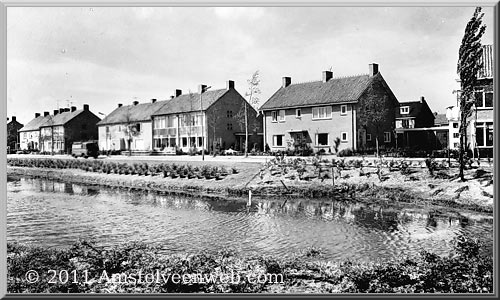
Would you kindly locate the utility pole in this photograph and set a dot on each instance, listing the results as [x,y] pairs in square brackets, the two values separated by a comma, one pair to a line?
[202,90]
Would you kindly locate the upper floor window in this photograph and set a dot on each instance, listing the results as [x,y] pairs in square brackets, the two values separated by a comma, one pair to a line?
[274,116]
[282,115]
[229,114]
[343,110]
[404,110]
[324,112]
[298,113]
[483,99]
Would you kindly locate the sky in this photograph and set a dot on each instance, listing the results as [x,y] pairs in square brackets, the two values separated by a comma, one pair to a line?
[102,56]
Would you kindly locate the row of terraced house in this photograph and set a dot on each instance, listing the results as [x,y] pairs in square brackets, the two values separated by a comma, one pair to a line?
[323,115]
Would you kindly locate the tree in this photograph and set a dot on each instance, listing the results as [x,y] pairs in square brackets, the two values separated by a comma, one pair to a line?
[469,65]
[130,129]
[372,114]
[253,99]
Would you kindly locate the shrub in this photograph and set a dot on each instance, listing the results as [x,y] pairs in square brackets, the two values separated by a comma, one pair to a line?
[345,152]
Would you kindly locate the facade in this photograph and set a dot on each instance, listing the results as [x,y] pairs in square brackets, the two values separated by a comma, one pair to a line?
[209,119]
[65,126]
[29,135]
[128,127]
[313,115]
[13,141]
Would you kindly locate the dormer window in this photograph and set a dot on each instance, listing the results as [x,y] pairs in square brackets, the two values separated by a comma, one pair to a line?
[404,110]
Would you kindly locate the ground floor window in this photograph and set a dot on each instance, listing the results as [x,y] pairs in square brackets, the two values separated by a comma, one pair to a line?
[368,137]
[278,140]
[200,142]
[484,134]
[172,142]
[387,137]
[322,139]
[343,136]
[184,142]
[192,142]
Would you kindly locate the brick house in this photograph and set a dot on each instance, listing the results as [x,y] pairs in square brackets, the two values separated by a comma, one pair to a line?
[207,119]
[130,124]
[314,114]
[13,141]
[30,134]
[65,126]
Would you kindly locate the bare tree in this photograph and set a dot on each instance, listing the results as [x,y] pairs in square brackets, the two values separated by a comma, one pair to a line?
[130,130]
[253,98]
[469,64]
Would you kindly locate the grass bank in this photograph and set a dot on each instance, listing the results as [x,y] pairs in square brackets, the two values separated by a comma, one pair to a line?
[91,270]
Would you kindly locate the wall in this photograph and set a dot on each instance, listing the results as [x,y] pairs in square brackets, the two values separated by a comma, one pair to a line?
[32,137]
[117,139]
[83,127]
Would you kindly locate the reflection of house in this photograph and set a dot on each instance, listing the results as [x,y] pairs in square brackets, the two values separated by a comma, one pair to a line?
[13,142]
[315,114]
[216,115]
[66,126]
[128,124]
[30,134]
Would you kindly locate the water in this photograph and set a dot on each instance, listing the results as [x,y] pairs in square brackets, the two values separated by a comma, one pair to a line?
[44,212]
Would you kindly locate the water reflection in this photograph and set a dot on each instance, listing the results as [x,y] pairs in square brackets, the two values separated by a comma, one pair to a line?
[38,210]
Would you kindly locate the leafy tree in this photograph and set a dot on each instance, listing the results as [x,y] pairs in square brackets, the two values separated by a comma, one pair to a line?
[468,66]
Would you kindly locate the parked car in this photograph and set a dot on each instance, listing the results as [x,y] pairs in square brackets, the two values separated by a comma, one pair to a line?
[85,149]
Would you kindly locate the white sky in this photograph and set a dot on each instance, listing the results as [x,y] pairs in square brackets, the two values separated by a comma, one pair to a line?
[102,56]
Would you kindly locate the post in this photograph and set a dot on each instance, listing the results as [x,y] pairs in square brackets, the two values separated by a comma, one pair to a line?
[202,131]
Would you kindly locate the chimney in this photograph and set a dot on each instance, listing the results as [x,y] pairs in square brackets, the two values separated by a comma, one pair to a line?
[13,119]
[327,75]
[422,99]
[153,100]
[56,112]
[37,115]
[46,113]
[67,109]
[73,108]
[61,110]
[286,81]
[373,67]
[229,84]
[85,107]
[135,102]
[178,93]
[120,105]
[201,88]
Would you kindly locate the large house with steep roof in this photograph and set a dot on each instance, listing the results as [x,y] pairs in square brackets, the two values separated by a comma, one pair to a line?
[314,114]
[29,135]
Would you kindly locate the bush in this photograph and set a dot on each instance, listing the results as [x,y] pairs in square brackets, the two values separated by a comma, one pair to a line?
[345,152]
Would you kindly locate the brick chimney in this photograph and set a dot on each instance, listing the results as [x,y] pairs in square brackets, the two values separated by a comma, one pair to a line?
[67,109]
[46,113]
[422,99]
[61,110]
[73,108]
[202,88]
[373,69]
[229,84]
[37,115]
[327,75]
[178,93]
[120,105]
[56,112]
[286,81]
[153,100]
[85,107]
[135,102]
[13,118]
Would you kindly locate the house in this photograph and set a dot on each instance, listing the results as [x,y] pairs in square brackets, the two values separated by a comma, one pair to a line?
[30,134]
[315,114]
[207,120]
[13,141]
[128,127]
[65,126]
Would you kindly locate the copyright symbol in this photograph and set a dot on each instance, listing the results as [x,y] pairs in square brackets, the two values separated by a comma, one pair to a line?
[31,276]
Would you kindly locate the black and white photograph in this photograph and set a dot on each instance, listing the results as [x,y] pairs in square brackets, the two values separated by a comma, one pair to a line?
[242,149]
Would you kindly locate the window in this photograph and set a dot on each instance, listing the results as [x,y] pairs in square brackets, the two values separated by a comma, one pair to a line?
[404,110]
[229,114]
[484,134]
[229,126]
[387,137]
[200,142]
[298,113]
[172,142]
[322,139]
[368,137]
[138,127]
[282,115]
[455,125]
[343,110]
[184,142]
[483,99]
[405,123]
[456,135]
[107,129]
[278,140]
[324,112]
[343,136]
[274,116]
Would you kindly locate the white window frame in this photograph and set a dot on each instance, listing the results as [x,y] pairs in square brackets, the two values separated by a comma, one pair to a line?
[274,116]
[281,115]
[342,137]
[404,110]
[387,137]
[275,140]
[343,110]
[368,137]
[298,113]
[327,140]
[318,111]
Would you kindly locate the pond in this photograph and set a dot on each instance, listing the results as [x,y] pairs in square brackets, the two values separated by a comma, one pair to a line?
[57,214]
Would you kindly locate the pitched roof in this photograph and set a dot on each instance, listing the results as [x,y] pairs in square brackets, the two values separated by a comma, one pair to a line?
[190,102]
[61,118]
[415,108]
[336,90]
[487,59]
[133,113]
[440,119]
[35,124]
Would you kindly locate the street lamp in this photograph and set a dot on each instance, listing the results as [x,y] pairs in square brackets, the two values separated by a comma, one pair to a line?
[202,90]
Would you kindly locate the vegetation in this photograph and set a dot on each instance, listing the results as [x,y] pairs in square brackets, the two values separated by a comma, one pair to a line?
[465,270]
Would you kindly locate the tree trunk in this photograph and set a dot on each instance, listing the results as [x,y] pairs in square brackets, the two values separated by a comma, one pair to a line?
[376,145]
[129,147]
[246,131]
[463,132]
